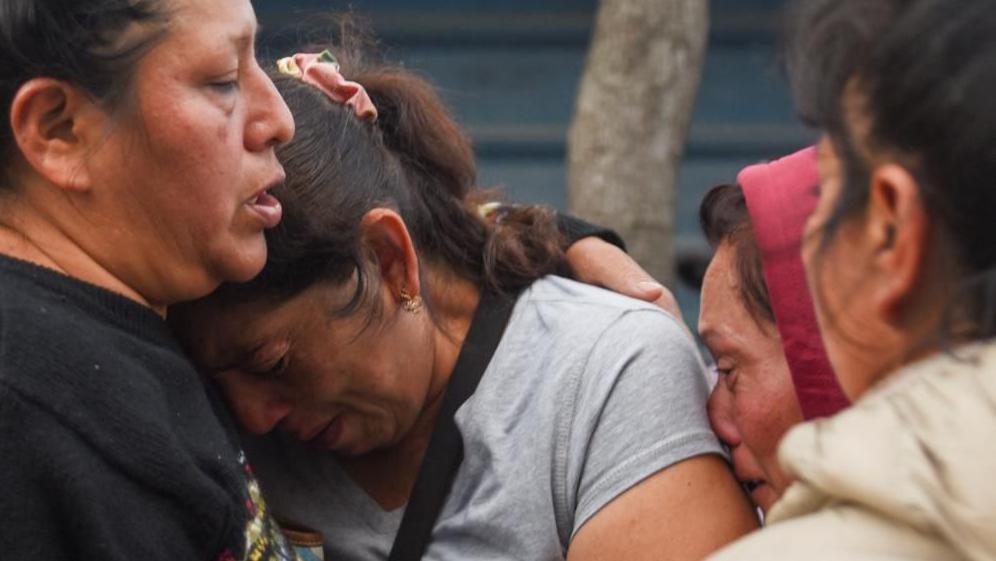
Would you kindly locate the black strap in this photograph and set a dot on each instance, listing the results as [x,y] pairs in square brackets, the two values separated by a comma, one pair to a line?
[445,451]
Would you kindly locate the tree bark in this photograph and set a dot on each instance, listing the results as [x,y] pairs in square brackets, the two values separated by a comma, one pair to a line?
[631,122]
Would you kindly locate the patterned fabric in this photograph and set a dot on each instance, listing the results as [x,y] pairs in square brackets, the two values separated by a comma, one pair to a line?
[265,540]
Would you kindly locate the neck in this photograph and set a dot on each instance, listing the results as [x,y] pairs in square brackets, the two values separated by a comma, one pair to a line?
[31,235]
[454,301]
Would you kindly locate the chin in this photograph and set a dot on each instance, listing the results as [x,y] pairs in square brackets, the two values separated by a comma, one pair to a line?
[369,444]
[245,263]
[356,449]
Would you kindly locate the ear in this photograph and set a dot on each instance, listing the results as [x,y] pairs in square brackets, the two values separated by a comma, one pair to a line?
[898,228]
[50,121]
[384,232]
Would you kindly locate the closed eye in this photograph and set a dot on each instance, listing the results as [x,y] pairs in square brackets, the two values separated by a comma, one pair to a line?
[268,360]
[726,376]
[226,86]
[275,370]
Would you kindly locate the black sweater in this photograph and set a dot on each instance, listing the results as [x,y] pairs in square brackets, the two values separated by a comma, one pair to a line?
[111,447]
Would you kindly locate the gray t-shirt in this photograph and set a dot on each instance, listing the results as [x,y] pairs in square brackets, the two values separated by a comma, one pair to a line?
[587,394]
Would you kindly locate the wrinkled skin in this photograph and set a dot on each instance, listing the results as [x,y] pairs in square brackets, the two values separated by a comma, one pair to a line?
[753,403]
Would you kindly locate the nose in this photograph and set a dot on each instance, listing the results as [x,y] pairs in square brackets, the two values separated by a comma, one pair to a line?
[720,409]
[269,121]
[258,408]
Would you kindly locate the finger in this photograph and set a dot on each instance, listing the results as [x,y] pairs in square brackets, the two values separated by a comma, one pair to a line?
[648,290]
[669,304]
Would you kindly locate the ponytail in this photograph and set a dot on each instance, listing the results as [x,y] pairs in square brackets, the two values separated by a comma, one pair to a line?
[507,250]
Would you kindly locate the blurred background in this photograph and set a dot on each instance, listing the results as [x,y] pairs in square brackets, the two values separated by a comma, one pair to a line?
[510,69]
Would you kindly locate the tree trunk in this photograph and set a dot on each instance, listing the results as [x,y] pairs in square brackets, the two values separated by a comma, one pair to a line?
[631,122]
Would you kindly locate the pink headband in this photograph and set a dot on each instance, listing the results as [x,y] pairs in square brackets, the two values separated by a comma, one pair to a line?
[322,71]
[780,197]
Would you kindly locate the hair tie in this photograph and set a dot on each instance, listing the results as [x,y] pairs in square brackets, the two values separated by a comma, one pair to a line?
[322,71]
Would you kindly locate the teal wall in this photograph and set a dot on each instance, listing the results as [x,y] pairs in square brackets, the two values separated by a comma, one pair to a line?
[510,70]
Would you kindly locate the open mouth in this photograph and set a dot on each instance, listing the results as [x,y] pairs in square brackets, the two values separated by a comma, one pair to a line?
[267,207]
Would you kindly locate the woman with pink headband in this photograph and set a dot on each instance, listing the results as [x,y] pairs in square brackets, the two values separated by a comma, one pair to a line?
[900,255]
[757,318]
[419,378]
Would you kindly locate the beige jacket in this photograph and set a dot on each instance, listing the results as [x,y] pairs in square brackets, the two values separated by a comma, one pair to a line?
[908,472]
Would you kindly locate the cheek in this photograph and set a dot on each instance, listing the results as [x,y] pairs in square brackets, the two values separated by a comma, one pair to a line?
[758,424]
[766,416]
[763,431]
[202,143]
[406,380]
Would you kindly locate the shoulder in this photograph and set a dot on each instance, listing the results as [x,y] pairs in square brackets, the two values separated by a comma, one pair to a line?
[565,309]
[585,340]
[614,325]
[582,341]
[59,333]
[553,289]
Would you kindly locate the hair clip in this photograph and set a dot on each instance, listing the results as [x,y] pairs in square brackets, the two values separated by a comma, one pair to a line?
[322,71]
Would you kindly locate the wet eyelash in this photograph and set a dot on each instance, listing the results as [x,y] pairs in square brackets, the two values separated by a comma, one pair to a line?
[226,86]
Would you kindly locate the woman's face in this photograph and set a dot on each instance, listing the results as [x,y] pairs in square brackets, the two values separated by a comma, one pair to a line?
[332,382]
[183,173]
[753,403]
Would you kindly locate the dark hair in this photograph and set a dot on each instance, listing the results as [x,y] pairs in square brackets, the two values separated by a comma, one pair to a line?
[78,41]
[414,159]
[724,217]
[920,74]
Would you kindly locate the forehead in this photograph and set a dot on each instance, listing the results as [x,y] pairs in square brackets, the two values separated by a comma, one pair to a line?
[203,25]
[720,282]
[216,329]
[724,317]
[223,327]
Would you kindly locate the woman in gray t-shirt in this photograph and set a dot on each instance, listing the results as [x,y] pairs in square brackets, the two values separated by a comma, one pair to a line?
[587,436]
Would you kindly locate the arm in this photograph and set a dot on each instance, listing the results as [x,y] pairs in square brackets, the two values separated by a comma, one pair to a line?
[686,511]
[598,256]
[653,483]
[595,261]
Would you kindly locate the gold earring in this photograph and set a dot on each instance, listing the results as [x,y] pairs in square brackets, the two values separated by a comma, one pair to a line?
[410,302]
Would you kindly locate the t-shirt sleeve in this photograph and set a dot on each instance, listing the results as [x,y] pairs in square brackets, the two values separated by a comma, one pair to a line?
[61,500]
[641,407]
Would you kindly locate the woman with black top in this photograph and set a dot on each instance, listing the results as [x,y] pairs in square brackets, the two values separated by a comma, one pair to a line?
[136,158]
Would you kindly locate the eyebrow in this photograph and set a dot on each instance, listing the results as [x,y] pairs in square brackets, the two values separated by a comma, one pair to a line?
[713,338]
[247,36]
[244,40]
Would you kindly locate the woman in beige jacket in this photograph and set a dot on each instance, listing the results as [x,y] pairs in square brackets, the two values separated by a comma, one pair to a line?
[901,257]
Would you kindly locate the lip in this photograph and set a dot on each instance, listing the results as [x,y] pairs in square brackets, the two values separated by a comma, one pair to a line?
[750,482]
[265,206]
[752,485]
[331,436]
[311,434]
